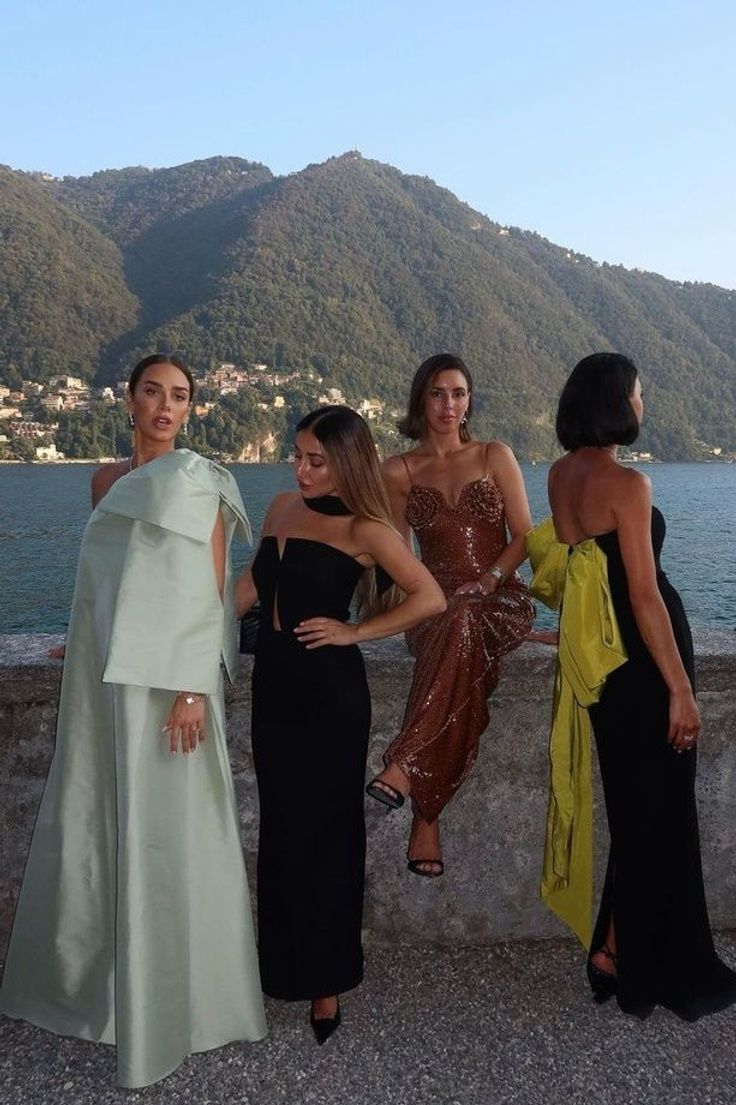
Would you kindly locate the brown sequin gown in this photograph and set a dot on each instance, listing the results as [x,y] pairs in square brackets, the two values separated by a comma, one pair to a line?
[457,653]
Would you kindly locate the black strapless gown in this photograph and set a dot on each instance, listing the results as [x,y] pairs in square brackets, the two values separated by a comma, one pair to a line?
[310,727]
[654,883]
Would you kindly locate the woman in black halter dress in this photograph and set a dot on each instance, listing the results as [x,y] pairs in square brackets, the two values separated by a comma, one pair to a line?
[652,942]
[311,721]
[311,706]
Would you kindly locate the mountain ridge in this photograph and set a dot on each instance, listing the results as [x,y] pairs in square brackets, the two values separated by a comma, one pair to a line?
[358,271]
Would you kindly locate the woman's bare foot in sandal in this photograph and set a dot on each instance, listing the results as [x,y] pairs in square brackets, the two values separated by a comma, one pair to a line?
[424,854]
[390,787]
[604,959]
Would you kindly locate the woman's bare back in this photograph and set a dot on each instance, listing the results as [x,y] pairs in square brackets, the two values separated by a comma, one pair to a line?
[588,490]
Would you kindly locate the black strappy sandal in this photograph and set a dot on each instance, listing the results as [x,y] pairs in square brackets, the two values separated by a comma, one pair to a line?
[602,983]
[385,794]
[414,867]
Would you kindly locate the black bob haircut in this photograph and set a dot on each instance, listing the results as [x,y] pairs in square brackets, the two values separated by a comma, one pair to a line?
[160,358]
[595,407]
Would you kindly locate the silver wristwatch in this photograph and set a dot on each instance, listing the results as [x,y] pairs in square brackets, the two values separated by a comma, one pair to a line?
[497,572]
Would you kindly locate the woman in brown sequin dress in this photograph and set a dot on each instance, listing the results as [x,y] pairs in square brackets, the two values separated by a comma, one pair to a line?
[467,505]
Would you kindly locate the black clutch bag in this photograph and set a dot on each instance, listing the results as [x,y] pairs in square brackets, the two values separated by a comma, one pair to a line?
[249,630]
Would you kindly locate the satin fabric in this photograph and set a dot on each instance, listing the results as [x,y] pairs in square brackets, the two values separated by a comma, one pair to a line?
[133,924]
[573,580]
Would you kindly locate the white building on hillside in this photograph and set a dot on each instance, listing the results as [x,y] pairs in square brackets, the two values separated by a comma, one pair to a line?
[73,383]
[370,408]
[48,452]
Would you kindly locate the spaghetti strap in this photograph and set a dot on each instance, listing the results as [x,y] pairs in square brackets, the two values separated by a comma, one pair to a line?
[408,469]
[486,469]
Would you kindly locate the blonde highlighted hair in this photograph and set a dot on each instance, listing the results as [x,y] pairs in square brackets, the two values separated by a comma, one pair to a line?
[350,452]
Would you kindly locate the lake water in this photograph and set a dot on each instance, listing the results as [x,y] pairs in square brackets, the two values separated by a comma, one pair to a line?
[43,511]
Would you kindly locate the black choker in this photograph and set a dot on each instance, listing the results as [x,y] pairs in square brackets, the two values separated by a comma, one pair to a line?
[327,504]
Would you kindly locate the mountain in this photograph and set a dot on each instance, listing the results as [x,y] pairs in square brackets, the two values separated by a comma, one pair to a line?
[63,291]
[359,271]
[124,203]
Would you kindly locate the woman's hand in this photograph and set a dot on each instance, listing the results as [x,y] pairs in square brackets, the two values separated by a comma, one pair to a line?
[186,722]
[315,632]
[485,585]
[684,728]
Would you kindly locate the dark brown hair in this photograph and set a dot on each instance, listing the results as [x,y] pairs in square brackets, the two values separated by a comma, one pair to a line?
[413,424]
[160,358]
[595,403]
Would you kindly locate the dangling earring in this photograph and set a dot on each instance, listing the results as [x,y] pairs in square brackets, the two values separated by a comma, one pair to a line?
[185,427]
[131,419]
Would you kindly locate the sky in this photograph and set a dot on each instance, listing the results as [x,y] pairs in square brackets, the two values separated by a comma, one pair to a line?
[607,128]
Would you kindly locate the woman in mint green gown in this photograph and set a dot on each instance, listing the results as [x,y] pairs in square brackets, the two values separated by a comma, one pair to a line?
[133,924]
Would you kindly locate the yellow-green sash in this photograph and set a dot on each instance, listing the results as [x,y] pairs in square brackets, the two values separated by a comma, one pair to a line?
[574,581]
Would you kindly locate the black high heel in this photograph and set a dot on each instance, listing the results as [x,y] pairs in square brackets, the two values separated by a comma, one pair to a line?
[323,1027]
[415,866]
[385,793]
[602,983]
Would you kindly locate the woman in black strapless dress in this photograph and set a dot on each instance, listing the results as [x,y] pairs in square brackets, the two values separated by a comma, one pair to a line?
[652,943]
[311,707]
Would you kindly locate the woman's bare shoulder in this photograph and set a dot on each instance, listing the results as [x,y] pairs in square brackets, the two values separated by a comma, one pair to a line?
[629,487]
[498,453]
[277,508]
[368,531]
[394,469]
[496,447]
[105,476]
[283,501]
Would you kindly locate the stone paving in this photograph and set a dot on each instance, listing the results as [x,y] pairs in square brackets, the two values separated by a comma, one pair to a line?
[511,1024]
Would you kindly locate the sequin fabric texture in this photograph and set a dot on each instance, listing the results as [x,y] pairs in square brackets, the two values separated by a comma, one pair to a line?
[457,653]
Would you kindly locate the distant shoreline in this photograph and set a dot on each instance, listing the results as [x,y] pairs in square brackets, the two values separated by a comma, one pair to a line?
[275,463]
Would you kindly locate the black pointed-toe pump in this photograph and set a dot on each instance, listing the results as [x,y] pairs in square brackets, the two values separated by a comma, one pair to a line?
[323,1027]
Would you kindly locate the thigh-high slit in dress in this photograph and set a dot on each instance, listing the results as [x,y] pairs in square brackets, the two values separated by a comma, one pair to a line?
[654,883]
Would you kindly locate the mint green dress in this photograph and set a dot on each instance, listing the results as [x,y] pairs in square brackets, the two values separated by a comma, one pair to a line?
[133,924]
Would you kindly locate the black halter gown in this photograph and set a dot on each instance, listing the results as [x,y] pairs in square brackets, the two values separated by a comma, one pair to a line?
[654,884]
[310,726]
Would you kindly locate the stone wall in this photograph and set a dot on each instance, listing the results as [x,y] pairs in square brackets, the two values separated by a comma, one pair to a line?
[492,831]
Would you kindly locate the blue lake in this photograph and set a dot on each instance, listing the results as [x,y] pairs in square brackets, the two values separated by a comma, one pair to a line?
[43,511]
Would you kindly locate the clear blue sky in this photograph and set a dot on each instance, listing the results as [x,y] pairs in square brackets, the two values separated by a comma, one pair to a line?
[608,127]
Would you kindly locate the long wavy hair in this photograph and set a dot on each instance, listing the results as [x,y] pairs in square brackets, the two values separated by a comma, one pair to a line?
[350,452]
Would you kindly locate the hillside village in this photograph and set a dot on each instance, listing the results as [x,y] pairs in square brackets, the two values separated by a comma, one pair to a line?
[30,418]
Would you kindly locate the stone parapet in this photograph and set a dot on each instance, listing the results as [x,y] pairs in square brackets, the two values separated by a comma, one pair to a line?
[492,831]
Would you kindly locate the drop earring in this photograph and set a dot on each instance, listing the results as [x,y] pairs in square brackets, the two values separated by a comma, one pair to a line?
[131,419]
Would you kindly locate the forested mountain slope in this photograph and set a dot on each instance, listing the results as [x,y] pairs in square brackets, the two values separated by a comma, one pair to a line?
[359,271]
